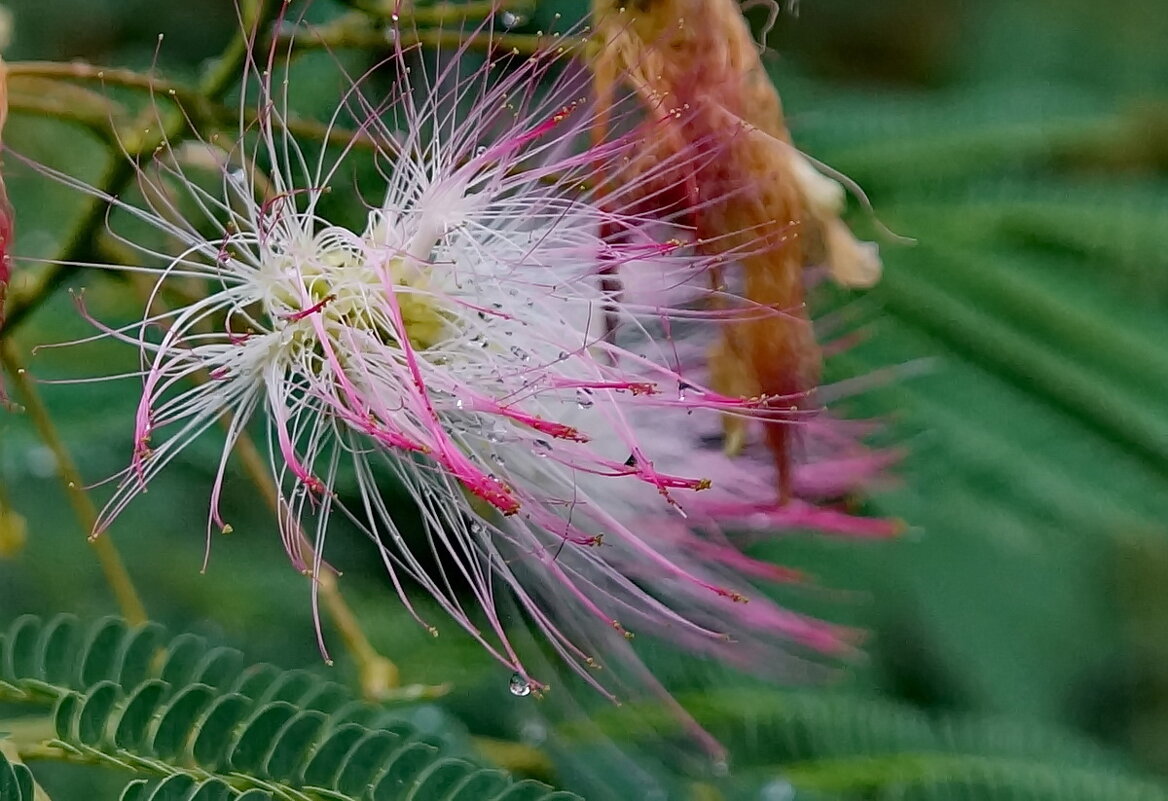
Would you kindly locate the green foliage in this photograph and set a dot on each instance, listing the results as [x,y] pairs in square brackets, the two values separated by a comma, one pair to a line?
[1020,625]
[181,787]
[843,745]
[16,781]
[215,728]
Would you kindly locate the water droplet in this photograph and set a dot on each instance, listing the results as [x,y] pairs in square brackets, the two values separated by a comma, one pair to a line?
[42,463]
[720,768]
[476,528]
[497,459]
[509,19]
[519,685]
[458,404]
[583,398]
[497,434]
[631,461]
[777,790]
[682,386]
[520,354]
[533,732]
[541,447]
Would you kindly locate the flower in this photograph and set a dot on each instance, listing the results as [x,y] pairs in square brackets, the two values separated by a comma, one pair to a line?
[517,341]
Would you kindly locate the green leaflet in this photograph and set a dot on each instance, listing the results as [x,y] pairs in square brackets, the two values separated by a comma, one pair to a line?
[181,787]
[16,782]
[212,728]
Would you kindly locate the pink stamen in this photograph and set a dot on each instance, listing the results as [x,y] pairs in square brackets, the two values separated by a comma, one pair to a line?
[313,309]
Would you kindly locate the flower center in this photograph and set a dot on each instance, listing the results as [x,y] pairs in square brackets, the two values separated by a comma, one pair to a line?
[341,280]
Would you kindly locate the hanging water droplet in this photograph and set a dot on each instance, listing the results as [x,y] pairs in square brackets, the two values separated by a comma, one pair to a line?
[519,685]
[583,398]
[541,447]
[509,20]
[497,459]
[458,404]
[631,461]
[520,354]
[682,386]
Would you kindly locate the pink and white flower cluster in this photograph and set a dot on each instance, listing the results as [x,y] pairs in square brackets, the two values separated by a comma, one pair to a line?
[535,383]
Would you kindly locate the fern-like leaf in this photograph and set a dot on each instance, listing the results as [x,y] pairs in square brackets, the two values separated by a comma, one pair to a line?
[16,782]
[209,727]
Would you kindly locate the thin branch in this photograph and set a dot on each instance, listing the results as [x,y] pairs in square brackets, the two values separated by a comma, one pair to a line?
[108,557]
[441,12]
[354,31]
[107,76]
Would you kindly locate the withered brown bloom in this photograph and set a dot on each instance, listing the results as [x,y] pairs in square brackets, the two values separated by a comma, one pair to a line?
[749,194]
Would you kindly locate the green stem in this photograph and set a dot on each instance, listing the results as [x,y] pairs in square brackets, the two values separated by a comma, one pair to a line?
[440,13]
[107,76]
[96,120]
[354,31]
[108,557]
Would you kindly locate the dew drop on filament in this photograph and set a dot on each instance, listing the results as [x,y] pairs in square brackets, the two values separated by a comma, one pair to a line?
[583,399]
[519,685]
[541,447]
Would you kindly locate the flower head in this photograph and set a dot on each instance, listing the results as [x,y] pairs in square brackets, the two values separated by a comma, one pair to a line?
[518,342]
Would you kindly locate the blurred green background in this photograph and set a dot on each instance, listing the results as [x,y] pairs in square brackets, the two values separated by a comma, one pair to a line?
[1019,631]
